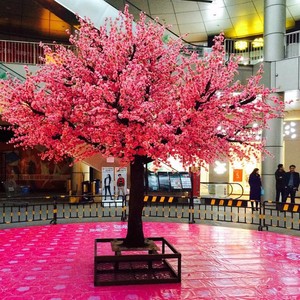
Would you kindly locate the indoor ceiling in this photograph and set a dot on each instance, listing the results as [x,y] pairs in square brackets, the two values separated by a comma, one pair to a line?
[34,20]
[45,19]
[236,18]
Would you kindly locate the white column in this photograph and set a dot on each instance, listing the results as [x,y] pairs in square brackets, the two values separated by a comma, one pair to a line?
[274,35]
[80,173]
[274,29]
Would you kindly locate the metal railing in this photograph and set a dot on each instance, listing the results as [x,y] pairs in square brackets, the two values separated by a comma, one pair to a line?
[233,190]
[252,52]
[280,215]
[20,52]
[292,44]
[235,212]
[249,52]
[57,208]
[24,52]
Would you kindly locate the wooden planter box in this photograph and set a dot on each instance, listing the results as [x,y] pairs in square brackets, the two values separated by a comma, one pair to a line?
[157,262]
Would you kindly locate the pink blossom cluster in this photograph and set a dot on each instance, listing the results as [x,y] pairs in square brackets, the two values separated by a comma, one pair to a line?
[122,91]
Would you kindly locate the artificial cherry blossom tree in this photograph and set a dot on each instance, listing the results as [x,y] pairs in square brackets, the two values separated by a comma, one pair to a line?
[121,91]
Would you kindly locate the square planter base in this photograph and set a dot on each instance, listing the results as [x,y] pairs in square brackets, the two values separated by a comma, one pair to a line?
[157,262]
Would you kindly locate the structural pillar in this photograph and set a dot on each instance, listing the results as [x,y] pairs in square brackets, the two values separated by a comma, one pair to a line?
[80,173]
[274,40]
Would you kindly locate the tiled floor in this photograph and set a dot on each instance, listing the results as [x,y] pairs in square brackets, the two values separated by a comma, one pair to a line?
[56,262]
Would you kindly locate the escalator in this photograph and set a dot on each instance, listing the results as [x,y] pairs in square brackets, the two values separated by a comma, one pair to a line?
[6,71]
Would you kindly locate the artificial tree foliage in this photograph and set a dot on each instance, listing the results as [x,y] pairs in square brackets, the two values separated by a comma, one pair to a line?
[123,90]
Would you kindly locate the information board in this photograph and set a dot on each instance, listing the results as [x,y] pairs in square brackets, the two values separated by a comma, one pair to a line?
[164,181]
[185,180]
[175,181]
[153,182]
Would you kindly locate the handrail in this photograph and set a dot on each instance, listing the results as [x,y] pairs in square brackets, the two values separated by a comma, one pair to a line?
[10,71]
[228,193]
[292,44]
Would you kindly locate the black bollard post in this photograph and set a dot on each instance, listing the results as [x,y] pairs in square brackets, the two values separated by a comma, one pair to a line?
[191,210]
[124,208]
[54,220]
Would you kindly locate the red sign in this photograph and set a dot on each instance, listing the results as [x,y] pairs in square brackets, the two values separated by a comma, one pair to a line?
[195,176]
[237,175]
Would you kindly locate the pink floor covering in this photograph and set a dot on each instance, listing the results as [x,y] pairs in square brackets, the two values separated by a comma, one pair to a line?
[56,262]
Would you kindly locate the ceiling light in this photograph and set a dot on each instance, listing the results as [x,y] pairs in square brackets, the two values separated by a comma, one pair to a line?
[220,167]
[290,129]
[258,137]
[258,42]
[240,45]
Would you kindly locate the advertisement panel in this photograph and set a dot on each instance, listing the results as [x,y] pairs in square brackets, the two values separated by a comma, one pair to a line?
[120,181]
[107,183]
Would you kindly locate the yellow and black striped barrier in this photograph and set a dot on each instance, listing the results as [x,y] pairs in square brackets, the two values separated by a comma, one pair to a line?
[270,213]
[289,207]
[178,207]
[226,202]
[160,199]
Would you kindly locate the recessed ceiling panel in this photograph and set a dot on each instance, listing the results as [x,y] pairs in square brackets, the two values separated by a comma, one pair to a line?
[183,6]
[159,6]
[141,4]
[241,9]
[295,11]
[211,15]
[186,18]
[195,37]
[167,19]
[238,2]
[192,28]
[248,25]
[213,27]
[259,6]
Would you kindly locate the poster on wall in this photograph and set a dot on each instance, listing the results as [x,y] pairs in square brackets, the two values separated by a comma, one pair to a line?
[152,182]
[121,182]
[164,181]
[185,180]
[237,175]
[107,183]
[175,182]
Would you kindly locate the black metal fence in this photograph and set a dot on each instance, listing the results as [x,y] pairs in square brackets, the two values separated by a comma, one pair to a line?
[280,215]
[56,208]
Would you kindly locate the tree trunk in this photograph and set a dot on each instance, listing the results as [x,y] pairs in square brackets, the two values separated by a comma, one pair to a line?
[135,234]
